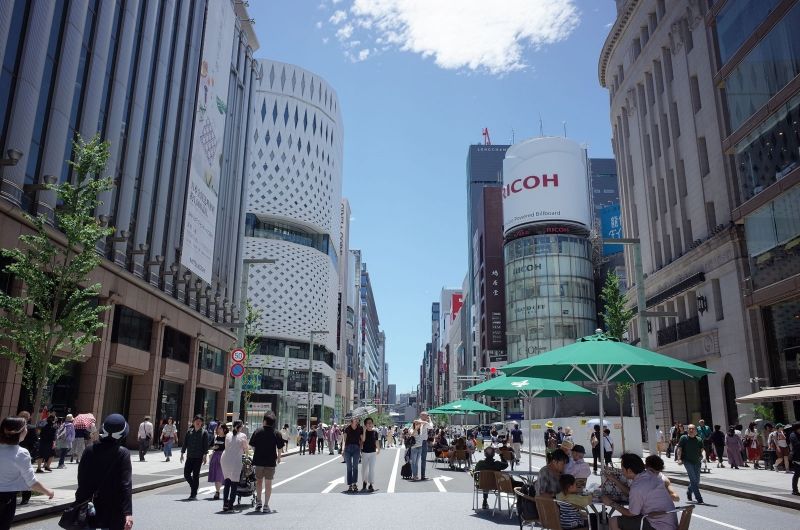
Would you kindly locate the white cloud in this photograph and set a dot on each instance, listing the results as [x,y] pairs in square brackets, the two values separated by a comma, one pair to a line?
[467,34]
[338,17]
[319,25]
[363,54]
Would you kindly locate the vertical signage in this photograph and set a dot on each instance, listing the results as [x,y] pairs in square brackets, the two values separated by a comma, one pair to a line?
[611,227]
[200,218]
[495,309]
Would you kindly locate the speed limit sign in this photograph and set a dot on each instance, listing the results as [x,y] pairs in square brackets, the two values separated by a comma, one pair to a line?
[238,355]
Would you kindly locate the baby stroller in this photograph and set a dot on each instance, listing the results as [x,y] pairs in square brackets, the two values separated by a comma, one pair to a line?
[247,481]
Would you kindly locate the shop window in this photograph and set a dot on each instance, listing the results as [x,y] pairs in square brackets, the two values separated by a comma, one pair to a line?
[731,410]
[176,345]
[737,20]
[131,328]
[211,358]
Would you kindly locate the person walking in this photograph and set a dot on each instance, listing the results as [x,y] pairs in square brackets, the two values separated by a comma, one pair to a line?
[47,444]
[516,442]
[330,436]
[267,444]
[285,434]
[718,441]
[594,439]
[79,444]
[144,437]
[704,433]
[104,477]
[302,438]
[689,452]
[781,449]
[370,447]
[352,452]
[794,444]
[65,439]
[30,442]
[733,446]
[320,438]
[608,447]
[751,444]
[169,437]
[16,472]
[215,474]
[231,463]
[312,442]
[195,447]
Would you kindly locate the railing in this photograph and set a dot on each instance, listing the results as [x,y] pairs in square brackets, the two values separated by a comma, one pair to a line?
[681,330]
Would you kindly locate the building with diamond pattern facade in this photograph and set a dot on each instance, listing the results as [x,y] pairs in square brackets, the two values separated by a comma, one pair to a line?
[294,189]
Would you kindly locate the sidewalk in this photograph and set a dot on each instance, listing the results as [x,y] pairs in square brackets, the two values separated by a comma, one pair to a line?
[770,487]
[153,473]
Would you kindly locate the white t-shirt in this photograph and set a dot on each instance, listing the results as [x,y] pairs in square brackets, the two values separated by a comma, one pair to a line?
[145,430]
[424,428]
[16,471]
[607,445]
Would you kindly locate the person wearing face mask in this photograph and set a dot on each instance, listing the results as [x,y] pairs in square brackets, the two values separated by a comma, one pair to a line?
[490,464]
[369,449]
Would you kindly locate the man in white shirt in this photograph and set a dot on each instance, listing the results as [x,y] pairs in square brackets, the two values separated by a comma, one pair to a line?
[145,437]
[577,466]
[425,425]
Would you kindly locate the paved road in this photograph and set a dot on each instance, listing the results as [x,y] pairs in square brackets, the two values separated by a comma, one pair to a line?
[309,493]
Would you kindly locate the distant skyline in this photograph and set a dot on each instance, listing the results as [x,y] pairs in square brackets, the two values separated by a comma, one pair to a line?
[417,83]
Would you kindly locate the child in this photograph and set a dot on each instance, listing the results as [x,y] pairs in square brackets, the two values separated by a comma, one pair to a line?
[572,506]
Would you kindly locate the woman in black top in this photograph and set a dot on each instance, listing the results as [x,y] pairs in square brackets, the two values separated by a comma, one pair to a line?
[369,449]
[104,477]
[352,452]
[47,444]
[215,474]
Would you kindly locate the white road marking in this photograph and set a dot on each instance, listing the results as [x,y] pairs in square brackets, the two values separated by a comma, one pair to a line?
[438,481]
[726,525]
[333,484]
[203,491]
[393,477]
[282,482]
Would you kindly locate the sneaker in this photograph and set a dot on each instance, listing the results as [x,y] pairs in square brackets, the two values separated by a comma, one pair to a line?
[62,467]
[216,496]
[796,493]
[700,501]
[258,507]
[370,489]
[192,497]
[688,496]
[364,487]
[266,509]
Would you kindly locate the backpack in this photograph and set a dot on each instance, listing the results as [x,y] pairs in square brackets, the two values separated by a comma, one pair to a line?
[405,471]
[410,442]
[552,441]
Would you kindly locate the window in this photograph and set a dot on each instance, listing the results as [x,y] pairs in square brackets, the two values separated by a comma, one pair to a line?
[648,154]
[255,227]
[661,9]
[652,22]
[736,21]
[716,293]
[702,155]
[765,70]
[6,278]
[666,54]
[687,232]
[656,142]
[644,33]
[682,178]
[687,35]
[636,48]
[211,358]
[298,381]
[11,60]
[694,89]
[659,75]
[131,328]
[673,196]
[711,216]
[676,125]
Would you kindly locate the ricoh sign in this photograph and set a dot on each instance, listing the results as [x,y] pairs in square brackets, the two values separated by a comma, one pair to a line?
[545,181]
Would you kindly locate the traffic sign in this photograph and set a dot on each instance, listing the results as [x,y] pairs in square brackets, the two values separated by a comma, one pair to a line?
[238,355]
[237,370]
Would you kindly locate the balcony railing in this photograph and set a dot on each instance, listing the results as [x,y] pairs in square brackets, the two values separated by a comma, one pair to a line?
[681,330]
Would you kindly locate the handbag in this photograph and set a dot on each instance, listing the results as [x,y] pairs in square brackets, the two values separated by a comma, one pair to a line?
[78,516]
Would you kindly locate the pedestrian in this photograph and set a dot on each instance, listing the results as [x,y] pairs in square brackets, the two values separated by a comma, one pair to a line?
[64,439]
[781,449]
[330,436]
[16,472]
[426,432]
[767,442]
[320,438]
[47,444]
[660,442]
[369,450]
[488,464]
[415,436]
[679,432]
[733,445]
[30,442]
[104,477]
[302,438]
[267,444]
[718,441]
[215,474]
[231,463]
[312,442]
[689,452]
[568,435]
[751,444]
[195,447]
[516,442]
[560,434]
[647,495]
[594,439]
[672,440]
[704,434]
[352,452]
[794,443]
[145,437]
[285,434]
[169,437]
[608,447]
[79,444]
[739,431]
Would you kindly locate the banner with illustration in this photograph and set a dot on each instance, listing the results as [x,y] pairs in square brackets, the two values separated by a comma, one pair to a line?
[200,219]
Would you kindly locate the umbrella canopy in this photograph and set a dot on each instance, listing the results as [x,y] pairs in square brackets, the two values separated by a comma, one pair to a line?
[462,406]
[596,421]
[361,412]
[526,387]
[84,421]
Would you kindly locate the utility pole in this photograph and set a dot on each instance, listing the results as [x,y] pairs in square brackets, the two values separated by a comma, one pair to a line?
[309,406]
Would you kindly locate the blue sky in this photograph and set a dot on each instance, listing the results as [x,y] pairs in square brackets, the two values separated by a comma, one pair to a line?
[417,82]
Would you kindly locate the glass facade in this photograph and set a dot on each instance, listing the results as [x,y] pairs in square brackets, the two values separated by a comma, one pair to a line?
[205,403]
[297,350]
[782,325]
[766,69]
[170,402]
[131,328]
[255,227]
[211,358]
[550,298]
[737,20]
[176,345]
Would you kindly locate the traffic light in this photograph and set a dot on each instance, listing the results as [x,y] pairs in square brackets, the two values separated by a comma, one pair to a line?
[488,373]
[493,372]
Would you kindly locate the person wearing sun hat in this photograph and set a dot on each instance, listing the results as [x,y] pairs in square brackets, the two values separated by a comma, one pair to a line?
[550,439]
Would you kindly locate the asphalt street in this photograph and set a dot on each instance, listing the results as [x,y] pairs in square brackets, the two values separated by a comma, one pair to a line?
[309,492]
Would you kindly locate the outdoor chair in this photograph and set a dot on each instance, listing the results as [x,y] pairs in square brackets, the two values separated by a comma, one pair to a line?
[443,458]
[459,457]
[485,482]
[549,516]
[507,454]
[526,509]
[683,523]
[505,488]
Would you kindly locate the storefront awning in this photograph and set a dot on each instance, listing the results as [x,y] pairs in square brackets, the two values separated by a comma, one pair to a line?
[778,393]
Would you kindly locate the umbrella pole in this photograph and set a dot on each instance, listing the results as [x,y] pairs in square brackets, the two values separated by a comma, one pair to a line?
[529,402]
[600,389]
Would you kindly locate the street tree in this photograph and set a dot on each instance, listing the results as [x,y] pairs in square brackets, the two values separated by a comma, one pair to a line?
[56,315]
[616,318]
[251,382]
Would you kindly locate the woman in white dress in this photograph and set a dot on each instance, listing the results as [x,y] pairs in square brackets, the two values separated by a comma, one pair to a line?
[231,462]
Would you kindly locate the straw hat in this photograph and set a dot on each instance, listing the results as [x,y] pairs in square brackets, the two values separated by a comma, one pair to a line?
[549,424]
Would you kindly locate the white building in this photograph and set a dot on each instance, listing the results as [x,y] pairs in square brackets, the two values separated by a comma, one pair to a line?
[294,217]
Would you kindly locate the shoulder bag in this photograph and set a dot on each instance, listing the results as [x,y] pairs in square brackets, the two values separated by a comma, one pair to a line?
[78,516]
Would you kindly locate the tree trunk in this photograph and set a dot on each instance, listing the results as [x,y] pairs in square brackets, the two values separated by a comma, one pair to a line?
[622,422]
[37,404]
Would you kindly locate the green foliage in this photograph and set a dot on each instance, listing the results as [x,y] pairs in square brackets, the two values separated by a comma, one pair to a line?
[615,315]
[764,412]
[49,324]
[251,344]
[382,418]
[440,420]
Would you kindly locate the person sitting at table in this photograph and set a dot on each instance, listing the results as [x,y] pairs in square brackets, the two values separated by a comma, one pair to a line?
[490,464]
[506,453]
[440,445]
[572,509]
[548,481]
[577,467]
[647,495]
[655,464]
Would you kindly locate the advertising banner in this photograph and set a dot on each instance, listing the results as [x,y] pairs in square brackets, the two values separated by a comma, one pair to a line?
[495,310]
[611,228]
[200,219]
[545,181]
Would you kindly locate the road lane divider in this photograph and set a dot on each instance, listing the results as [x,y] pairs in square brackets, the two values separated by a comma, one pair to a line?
[393,477]
[309,470]
[710,520]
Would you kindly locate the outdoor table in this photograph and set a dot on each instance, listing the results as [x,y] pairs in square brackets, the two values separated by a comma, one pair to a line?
[599,508]
[528,476]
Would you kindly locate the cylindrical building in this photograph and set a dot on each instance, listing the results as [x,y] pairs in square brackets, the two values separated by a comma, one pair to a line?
[293,216]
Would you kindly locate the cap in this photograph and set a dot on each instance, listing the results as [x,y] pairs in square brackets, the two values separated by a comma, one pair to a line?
[779,426]
[579,449]
[115,427]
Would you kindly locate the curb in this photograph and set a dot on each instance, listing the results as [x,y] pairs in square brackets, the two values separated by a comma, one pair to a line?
[766,499]
[61,506]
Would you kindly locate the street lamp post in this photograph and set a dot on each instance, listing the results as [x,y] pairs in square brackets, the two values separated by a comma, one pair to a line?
[309,407]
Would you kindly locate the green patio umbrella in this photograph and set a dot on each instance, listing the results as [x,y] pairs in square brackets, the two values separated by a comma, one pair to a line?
[602,360]
[462,406]
[526,388]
